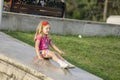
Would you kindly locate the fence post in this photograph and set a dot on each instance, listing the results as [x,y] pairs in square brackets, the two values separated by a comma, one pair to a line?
[1,9]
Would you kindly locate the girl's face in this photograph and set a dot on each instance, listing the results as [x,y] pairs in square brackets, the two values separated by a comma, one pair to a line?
[46,29]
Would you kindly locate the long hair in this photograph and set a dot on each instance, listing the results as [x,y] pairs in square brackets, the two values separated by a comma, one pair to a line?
[40,28]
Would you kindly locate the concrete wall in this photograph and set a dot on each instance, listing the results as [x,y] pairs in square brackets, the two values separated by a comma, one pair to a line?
[13,70]
[24,22]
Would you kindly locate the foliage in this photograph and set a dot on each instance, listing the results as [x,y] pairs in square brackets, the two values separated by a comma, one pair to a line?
[91,9]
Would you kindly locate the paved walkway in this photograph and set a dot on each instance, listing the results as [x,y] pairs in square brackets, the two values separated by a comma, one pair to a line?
[25,54]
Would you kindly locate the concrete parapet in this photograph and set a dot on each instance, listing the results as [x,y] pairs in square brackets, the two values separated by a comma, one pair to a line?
[25,22]
[13,70]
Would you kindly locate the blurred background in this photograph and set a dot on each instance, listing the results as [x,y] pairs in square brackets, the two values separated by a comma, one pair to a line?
[95,10]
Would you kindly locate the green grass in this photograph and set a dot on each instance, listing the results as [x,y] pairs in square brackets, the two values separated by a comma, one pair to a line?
[98,55]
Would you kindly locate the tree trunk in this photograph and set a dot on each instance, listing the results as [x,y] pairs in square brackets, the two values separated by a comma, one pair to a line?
[105,10]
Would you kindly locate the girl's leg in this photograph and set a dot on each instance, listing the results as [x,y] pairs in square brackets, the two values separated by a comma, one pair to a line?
[57,59]
[60,57]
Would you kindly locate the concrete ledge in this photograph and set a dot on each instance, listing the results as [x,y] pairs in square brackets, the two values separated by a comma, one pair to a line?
[10,69]
[24,22]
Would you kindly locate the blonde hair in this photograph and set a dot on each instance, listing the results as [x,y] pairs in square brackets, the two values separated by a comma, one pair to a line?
[40,27]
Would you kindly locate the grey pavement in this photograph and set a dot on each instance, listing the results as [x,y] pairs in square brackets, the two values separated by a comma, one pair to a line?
[25,54]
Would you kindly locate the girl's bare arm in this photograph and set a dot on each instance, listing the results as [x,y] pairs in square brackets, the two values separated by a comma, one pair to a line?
[37,42]
[56,48]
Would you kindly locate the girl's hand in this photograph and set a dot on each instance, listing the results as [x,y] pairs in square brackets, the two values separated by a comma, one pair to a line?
[61,52]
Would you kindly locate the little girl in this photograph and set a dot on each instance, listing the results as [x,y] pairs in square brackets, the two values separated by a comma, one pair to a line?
[42,43]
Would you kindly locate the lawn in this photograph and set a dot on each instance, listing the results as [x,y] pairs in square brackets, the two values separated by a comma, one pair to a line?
[97,55]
